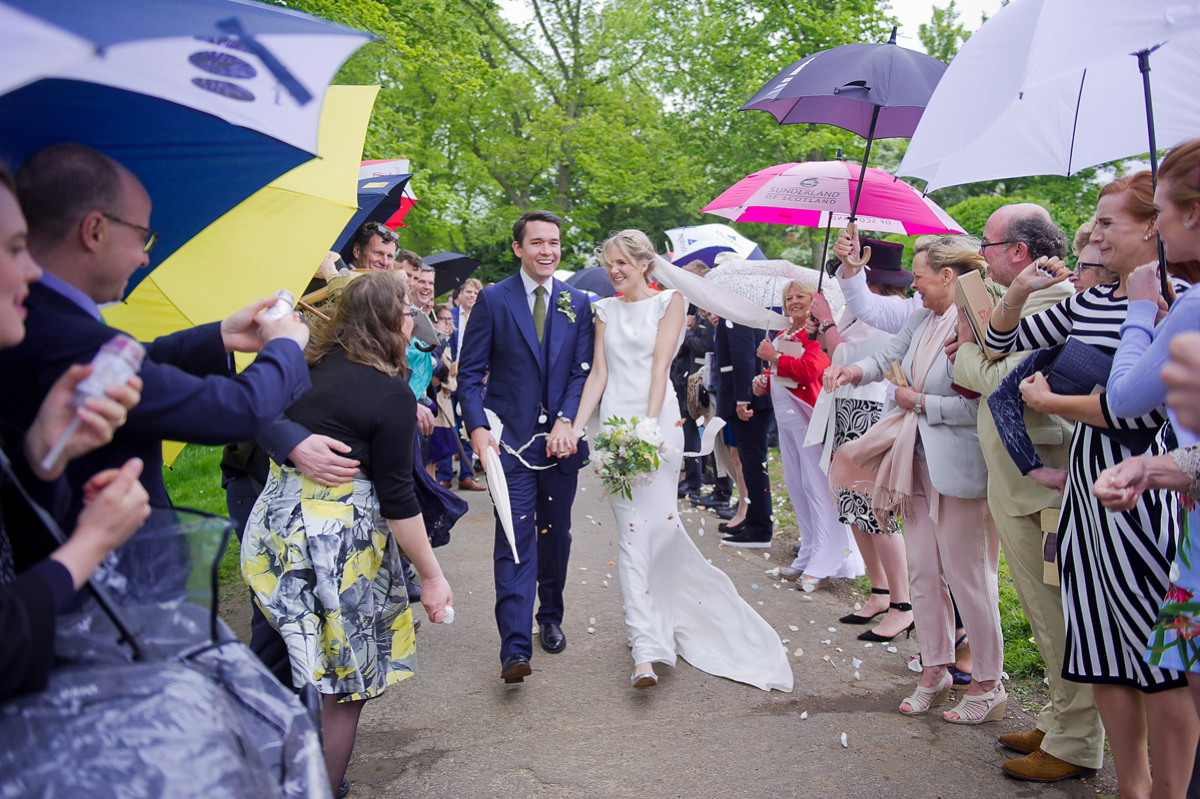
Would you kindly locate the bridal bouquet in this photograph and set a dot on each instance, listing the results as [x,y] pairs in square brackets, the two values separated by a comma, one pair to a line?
[626,453]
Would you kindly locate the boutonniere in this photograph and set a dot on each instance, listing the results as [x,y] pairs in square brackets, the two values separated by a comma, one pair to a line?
[564,305]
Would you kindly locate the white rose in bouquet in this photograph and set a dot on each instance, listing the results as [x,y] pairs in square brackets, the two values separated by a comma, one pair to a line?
[647,430]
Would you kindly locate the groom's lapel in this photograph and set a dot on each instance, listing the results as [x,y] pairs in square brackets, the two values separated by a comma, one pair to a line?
[555,318]
[518,306]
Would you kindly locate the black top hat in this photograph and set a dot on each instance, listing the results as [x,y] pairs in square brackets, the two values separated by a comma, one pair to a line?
[884,266]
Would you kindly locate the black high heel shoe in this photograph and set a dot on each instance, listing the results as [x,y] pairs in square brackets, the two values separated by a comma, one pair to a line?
[731,529]
[871,635]
[855,619]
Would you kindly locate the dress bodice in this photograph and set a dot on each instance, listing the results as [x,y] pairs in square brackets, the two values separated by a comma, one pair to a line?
[630,331]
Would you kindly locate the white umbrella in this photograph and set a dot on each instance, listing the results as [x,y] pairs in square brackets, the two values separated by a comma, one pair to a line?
[1052,87]
[762,282]
[704,242]
[716,298]
[498,485]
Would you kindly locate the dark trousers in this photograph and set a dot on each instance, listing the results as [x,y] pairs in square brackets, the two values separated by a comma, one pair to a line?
[265,641]
[692,467]
[541,514]
[752,448]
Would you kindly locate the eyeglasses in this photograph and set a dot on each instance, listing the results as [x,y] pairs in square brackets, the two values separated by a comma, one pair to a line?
[983,245]
[411,312]
[149,237]
[382,231]
[1081,265]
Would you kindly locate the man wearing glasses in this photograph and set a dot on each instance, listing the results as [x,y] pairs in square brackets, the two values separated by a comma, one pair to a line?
[1068,740]
[89,228]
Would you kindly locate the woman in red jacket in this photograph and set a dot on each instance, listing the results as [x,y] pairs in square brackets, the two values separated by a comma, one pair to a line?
[827,548]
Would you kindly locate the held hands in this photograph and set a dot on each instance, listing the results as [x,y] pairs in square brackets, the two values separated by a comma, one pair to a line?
[766,350]
[760,385]
[436,597]
[562,441]
[317,458]
[1118,487]
[99,419]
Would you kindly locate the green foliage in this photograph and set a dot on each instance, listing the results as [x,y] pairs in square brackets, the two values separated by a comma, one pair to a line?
[973,212]
[194,481]
[943,36]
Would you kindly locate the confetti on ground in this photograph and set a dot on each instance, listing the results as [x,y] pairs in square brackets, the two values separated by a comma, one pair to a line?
[833,629]
[805,597]
[826,659]
[892,649]
[837,649]
[760,601]
[827,641]
[793,627]
[583,568]
[753,585]
[786,641]
[856,676]
[857,662]
[604,583]
[798,652]
[868,646]
[591,630]
[609,576]
[844,740]
[804,715]
[915,665]
[766,555]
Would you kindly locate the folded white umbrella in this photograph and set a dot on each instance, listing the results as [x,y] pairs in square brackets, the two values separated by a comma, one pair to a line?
[498,485]
[762,282]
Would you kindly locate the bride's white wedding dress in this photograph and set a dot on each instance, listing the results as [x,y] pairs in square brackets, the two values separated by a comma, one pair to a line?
[676,602]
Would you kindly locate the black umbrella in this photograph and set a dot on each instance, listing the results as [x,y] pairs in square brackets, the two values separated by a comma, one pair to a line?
[878,91]
[451,270]
[593,279]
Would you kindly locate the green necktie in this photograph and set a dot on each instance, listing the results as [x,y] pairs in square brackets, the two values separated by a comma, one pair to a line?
[539,311]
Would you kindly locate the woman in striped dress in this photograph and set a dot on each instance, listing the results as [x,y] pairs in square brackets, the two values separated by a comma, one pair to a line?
[1114,566]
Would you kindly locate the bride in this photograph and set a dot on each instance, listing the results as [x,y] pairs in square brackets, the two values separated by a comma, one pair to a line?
[676,602]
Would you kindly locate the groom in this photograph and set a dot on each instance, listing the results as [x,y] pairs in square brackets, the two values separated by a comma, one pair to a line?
[531,339]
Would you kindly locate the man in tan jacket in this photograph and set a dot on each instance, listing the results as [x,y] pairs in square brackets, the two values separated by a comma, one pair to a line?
[1069,738]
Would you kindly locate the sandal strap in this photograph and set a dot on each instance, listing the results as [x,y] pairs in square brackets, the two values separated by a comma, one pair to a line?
[884,591]
[903,607]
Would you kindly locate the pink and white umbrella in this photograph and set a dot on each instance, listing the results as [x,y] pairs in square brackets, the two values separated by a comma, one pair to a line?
[821,193]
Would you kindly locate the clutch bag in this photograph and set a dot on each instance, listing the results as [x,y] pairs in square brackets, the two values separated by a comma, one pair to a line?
[1079,369]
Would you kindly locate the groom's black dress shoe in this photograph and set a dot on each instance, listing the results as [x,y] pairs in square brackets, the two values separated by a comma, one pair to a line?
[515,668]
[553,640]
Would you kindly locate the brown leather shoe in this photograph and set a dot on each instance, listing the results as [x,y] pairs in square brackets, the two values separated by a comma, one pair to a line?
[444,483]
[1023,742]
[469,484]
[1040,766]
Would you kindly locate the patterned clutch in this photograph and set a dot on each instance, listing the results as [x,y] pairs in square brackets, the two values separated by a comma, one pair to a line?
[1079,369]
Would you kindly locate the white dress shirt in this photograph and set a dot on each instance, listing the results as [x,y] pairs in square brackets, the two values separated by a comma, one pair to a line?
[530,284]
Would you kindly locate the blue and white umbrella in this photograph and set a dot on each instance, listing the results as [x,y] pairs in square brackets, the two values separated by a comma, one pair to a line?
[206,101]
[705,242]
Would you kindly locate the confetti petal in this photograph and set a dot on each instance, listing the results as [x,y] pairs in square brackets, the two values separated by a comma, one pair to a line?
[844,740]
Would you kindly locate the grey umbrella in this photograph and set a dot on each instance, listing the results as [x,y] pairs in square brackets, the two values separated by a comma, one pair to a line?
[878,91]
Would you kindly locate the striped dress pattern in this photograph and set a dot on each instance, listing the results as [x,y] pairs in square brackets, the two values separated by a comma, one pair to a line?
[1114,566]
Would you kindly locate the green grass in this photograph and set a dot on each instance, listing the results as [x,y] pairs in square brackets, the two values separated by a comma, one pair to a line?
[194,481]
[1021,657]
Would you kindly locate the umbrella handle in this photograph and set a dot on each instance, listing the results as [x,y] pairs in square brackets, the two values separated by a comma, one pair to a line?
[865,256]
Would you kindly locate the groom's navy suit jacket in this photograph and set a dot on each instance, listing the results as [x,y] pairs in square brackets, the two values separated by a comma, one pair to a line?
[524,378]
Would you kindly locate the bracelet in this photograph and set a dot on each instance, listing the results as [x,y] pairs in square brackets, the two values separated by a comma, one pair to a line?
[1004,302]
[919,405]
[828,323]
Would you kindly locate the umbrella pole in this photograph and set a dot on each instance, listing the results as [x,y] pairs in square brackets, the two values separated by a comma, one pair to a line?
[1143,57]
[862,174]
[824,254]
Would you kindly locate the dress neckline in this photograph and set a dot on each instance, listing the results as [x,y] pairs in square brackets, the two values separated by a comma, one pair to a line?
[645,299]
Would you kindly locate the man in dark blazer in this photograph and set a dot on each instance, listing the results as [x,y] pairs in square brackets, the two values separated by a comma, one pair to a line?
[531,336]
[89,228]
[749,417]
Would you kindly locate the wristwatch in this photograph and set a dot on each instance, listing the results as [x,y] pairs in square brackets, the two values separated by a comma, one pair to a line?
[828,323]
[565,418]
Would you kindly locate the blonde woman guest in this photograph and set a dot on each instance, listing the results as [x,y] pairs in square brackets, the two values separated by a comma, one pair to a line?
[877,292]
[922,461]
[793,381]
[1113,566]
